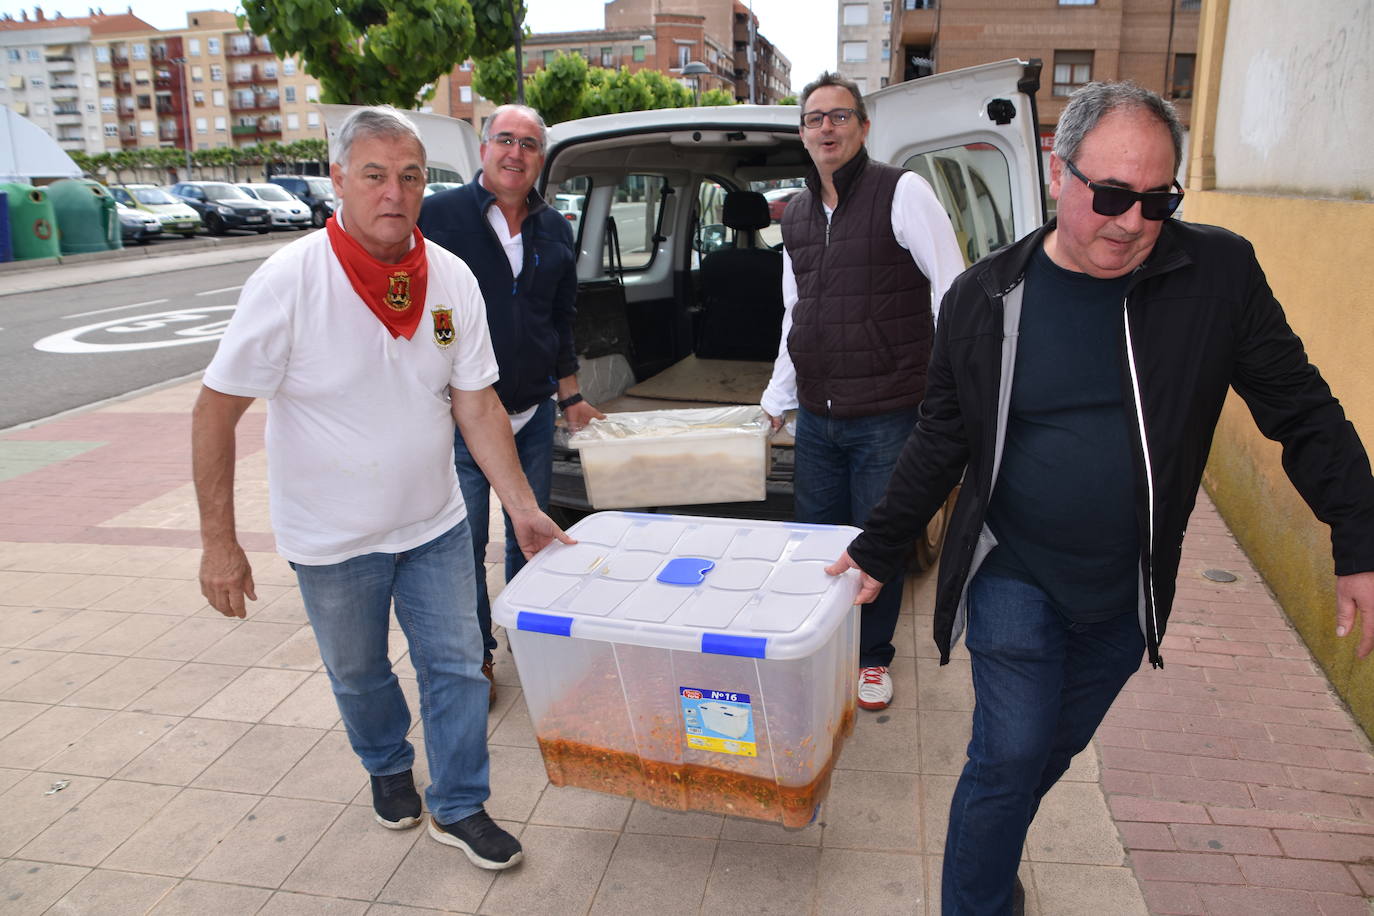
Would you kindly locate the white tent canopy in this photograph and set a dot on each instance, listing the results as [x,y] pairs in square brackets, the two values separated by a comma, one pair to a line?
[27,152]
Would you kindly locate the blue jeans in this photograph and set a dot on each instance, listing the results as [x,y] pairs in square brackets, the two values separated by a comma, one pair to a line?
[841,472]
[349,606]
[534,445]
[1042,684]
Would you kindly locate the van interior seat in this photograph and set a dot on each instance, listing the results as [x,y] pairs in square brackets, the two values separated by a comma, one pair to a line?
[741,288]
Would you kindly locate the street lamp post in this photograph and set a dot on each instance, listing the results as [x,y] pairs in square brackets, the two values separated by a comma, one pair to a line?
[696,69]
[185,112]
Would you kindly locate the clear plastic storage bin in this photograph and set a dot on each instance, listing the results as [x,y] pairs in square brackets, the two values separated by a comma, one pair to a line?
[675,457]
[698,664]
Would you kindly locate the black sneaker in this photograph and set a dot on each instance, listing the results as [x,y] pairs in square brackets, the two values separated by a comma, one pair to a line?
[481,838]
[395,802]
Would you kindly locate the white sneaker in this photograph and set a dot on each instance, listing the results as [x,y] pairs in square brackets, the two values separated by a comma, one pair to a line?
[875,687]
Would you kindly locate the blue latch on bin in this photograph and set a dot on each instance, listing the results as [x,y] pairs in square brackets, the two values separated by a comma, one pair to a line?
[553,624]
[685,571]
[725,644]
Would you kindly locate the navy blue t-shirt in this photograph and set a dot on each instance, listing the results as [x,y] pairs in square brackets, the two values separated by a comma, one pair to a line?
[1063,507]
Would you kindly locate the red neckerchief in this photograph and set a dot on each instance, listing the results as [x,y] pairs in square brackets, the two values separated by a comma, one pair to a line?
[394,292]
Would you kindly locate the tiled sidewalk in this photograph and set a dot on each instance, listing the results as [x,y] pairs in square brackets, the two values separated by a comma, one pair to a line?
[203,769]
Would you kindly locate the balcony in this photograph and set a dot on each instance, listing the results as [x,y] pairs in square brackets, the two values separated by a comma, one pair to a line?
[57,84]
[919,22]
[169,134]
[118,61]
[168,108]
[233,52]
[66,113]
[71,142]
[261,130]
[261,103]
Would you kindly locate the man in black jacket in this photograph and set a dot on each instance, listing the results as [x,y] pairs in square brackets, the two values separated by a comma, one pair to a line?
[1076,380]
[521,251]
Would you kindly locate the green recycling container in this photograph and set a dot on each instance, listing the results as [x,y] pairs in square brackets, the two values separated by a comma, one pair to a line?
[33,227]
[86,217]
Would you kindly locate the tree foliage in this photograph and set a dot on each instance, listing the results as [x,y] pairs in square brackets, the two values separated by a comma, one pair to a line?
[493,77]
[717,97]
[788,100]
[366,52]
[568,88]
[495,26]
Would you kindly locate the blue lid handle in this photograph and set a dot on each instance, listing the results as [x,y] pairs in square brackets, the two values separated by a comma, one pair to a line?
[686,571]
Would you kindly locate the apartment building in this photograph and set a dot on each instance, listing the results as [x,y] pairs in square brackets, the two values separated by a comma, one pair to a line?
[49,71]
[663,35]
[1152,42]
[864,42]
[109,82]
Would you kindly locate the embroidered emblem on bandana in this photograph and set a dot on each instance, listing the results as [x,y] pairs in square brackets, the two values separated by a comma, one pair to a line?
[398,291]
[443,326]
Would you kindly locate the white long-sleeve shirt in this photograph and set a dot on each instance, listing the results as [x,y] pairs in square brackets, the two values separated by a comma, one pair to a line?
[922,227]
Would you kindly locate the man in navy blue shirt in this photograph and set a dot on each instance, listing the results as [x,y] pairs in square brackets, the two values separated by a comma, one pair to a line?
[521,251]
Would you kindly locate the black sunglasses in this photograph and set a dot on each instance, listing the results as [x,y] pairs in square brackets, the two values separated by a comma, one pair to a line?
[1109,200]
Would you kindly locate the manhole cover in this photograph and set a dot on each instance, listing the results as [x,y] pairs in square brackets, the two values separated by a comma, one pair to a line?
[1219,575]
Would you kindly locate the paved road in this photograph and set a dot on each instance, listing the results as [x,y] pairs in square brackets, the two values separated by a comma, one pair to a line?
[66,348]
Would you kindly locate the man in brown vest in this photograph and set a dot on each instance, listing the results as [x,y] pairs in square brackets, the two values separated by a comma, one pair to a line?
[868,252]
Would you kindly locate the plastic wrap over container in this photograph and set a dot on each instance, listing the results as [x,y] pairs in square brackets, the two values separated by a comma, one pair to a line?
[697,664]
[675,457]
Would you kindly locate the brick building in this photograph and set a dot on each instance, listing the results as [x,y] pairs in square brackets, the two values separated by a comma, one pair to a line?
[1153,42]
[663,35]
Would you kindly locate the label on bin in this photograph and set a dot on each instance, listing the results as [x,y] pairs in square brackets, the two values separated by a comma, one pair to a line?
[718,720]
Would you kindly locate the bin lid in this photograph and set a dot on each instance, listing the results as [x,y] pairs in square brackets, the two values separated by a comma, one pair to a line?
[726,586]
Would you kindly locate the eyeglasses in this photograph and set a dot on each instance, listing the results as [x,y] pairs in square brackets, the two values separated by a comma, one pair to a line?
[1109,200]
[837,117]
[508,140]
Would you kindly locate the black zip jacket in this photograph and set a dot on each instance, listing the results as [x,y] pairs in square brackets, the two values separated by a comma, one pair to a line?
[1200,318]
[530,317]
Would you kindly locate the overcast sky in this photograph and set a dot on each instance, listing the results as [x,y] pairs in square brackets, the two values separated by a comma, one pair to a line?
[804,30]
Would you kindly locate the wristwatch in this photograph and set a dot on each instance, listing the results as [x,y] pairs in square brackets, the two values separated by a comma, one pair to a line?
[570,401]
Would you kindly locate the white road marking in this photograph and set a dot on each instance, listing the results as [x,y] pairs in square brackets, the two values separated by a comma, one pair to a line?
[116,308]
[211,292]
[210,328]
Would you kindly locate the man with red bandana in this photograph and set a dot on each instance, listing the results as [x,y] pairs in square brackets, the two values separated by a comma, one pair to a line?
[370,345]
[1075,385]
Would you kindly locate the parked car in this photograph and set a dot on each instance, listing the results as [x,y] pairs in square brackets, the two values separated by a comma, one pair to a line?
[223,206]
[655,329]
[778,199]
[285,209]
[174,216]
[137,225]
[434,187]
[315,192]
[570,205]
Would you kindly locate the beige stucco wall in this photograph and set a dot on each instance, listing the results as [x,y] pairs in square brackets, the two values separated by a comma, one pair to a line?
[1315,253]
[1304,201]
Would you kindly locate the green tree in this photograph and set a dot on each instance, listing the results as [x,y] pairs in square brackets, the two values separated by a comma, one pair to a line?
[81,160]
[665,92]
[717,97]
[315,150]
[613,91]
[556,91]
[788,100]
[494,77]
[495,22]
[366,52]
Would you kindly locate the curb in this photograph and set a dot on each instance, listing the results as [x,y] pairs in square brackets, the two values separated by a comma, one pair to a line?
[184,246]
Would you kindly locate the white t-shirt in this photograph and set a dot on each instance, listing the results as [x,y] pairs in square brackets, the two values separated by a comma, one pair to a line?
[359,424]
[922,227]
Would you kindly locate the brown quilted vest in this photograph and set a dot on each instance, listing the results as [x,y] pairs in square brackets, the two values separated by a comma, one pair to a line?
[861,328]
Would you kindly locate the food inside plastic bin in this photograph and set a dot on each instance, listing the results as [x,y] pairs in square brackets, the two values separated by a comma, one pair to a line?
[675,457]
[580,748]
